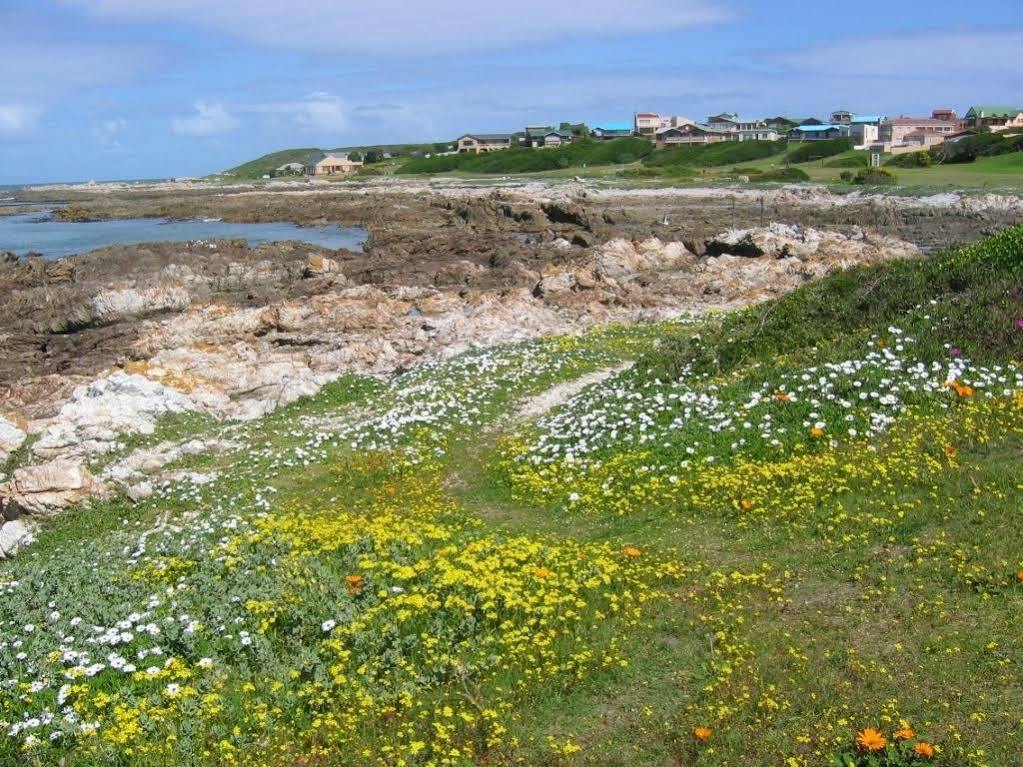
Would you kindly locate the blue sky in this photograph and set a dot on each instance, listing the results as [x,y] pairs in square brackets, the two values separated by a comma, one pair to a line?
[101,89]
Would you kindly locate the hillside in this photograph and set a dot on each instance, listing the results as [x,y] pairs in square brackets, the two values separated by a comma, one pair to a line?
[778,536]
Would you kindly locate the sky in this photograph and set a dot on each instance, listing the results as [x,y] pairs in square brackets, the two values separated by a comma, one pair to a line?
[111,89]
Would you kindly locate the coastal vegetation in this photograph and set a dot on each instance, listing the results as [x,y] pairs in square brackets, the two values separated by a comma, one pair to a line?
[522,160]
[779,537]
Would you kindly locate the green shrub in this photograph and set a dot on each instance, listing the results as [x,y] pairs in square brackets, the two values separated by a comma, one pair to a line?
[523,160]
[975,289]
[818,150]
[847,176]
[854,160]
[911,160]
[747,171]
[720,153]
[981,145]
[875,177]
[784,175]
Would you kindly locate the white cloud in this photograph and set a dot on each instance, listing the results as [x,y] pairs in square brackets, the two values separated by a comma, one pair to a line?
[108,132]
[927,54]
[397,26]
[318,112]
[18,120]
[208,120]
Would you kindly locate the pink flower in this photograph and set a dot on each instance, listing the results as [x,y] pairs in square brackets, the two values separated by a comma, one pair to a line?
[955,352]
[1019,324]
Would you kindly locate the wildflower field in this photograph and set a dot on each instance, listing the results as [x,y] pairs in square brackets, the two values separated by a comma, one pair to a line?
[785,536]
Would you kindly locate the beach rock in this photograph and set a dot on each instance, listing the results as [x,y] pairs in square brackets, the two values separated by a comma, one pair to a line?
[48,488]
[622,258]
[790,240]
[11,438]
[320,266]
[13,535]
[115,305]
[97,413]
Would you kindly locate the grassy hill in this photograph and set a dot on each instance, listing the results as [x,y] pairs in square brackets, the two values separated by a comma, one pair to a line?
[785,536]
[255,169]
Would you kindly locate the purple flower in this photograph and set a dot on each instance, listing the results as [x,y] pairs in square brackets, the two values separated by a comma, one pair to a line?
[1019,324]
[955,352]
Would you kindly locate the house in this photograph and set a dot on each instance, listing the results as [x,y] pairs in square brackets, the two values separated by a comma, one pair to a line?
[724,121]
[534,135]
[960,136]
[811,121]
[923,139]
[780,123]
[290,169]
[556,138]
[646,124]
[479,143]
[948,115]
[841,117]
[334,164]
[894,131]
[817,132]
[994,118]
[688,135]
[863,134]
[611,130]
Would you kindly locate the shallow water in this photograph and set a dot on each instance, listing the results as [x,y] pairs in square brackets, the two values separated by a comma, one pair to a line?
[39,233]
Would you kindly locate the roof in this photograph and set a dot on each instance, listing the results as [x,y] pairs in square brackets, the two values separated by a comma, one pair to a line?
[489,136]
[867,118]
[560,133]
[613,126]
[647,114]
[342,156]
[692,126]
[987,110]
[537,132]
[926,121]
[816,128]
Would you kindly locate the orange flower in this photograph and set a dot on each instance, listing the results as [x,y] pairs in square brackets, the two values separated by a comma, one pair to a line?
[871,739]
[355,583]
[924,749]
[905,733]
[632,551]
[781,396]
[746,505]
[817,431]
[702,734]
[961,390]
[1019,576]
[951,452]
[542,572]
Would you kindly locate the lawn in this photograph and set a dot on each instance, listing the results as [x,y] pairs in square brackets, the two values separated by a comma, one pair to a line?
[784,536]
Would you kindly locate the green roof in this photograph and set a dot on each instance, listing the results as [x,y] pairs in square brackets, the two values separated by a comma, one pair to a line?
[539,132]
[987,110]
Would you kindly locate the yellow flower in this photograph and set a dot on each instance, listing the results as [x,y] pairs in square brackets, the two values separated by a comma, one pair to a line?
[905,733]
[632,551]
[871,739]
[816,431]
[702,734]
[924,749]
[543,572]
[951,452]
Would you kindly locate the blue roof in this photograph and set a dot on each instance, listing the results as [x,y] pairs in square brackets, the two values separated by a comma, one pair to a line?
[815,128]
[613,126]
[867,118]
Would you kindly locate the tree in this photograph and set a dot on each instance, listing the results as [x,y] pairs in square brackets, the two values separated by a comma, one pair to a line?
[355,156]
[373,155]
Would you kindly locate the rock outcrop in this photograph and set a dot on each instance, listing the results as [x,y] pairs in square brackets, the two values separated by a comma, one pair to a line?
[11,438]
[48,488]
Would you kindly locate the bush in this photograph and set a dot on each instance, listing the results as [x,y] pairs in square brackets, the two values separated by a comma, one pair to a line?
[854,160]
[818,150]
[522,160]
[721,153]
[911,160]
[875,177]
[847,176]
[786,175]
[981,145]
[976,289]
[747,171]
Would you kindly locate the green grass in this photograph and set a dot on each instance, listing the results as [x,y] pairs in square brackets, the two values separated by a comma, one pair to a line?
[522,160]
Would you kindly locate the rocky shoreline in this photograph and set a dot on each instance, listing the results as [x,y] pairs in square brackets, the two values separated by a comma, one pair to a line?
[105,344]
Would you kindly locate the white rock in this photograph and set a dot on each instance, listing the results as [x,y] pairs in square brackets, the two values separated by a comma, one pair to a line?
[98,412]
[13,535]
[45,489]
[11,438]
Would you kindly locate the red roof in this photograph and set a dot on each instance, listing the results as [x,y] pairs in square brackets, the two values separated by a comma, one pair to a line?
[922,121]
[647,114]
